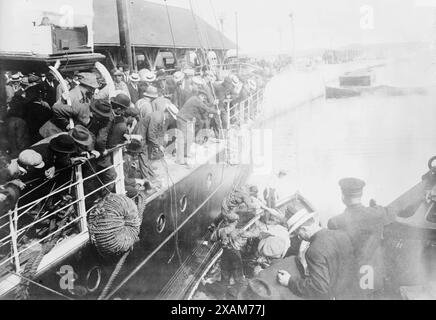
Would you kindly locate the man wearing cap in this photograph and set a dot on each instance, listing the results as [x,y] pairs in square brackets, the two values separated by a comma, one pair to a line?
[101,116]
[364,226]
[133,88]
[55,154]
[18,136]
[119,83]
[79,111]
[330,261]
[222,92]
[195,108]
[134,179]
[145,104]
[232,240]
[152,129]
[38,111]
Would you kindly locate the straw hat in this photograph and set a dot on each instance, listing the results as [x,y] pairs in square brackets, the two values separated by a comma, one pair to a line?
[147,75]
[303,216]
[88,79]
[178,76]
[134,77]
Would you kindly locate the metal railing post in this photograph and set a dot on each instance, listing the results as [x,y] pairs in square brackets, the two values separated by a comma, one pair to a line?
[241,112]
[13,222]
[228,114]
[80,192]
[119,169]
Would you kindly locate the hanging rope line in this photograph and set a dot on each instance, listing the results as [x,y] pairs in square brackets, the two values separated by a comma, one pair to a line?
[217,25]
[171,28]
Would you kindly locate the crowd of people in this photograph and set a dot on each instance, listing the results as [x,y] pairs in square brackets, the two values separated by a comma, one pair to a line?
[50,125]
[343,260]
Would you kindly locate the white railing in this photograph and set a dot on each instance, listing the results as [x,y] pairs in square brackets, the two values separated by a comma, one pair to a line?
[79,219]
[245,110]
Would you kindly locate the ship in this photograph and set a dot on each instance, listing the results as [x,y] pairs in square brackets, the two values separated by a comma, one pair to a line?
[46,247]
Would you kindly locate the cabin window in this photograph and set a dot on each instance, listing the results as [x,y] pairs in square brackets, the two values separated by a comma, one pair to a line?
[160,223]
[183,203]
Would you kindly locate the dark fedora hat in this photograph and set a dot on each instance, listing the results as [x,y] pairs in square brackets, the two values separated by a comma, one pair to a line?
[121,101]
[81,135]
[63,144]
[134,146]
[102,108]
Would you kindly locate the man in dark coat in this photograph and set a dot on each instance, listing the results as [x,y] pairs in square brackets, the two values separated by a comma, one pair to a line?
[197,108]
[365,227]
[330,262]
[222,93]
[133,88]
[79,111]
[48,87]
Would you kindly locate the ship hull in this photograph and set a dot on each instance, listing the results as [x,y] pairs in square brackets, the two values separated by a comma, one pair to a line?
[163,252]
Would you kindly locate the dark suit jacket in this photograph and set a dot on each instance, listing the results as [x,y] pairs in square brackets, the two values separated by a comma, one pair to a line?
[331,266]
[134,93]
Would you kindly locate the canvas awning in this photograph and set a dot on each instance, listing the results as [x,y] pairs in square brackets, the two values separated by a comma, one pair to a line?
[150,27]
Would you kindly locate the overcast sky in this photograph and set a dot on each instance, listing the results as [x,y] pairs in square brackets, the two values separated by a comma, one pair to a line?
[265,25]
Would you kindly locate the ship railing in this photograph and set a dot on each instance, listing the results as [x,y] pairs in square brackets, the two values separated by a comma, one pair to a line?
[246,110]
[16,255]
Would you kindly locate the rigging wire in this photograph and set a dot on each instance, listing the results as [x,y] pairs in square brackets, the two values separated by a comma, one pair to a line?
[194,18]
[40,285]
[171,29]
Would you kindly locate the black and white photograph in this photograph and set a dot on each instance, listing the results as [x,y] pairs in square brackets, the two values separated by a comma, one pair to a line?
[220,153]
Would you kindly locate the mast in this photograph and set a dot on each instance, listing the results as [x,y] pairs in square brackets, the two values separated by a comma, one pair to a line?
[124,31]
[237,35]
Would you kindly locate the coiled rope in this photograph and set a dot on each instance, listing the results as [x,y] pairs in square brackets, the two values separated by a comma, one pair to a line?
[141,207]
[114,225]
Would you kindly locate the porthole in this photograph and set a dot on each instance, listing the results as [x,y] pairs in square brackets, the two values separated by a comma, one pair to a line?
[183,203]
[209,181]
[93,279]
[160,223]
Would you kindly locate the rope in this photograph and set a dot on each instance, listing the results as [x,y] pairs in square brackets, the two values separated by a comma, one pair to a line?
[114,225]
[114,275]
[217,24]
[174,216]
[171,27]
[41,286]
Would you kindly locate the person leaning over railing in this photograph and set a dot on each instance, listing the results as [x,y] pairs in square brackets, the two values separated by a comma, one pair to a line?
[79,110]
[195,108]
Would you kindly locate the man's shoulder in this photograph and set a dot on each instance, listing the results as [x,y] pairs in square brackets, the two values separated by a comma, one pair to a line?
[338,220]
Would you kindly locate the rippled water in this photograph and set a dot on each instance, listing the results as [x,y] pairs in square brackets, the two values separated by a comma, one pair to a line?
[384,140]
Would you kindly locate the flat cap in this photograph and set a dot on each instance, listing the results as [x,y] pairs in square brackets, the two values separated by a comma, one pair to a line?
[351,186]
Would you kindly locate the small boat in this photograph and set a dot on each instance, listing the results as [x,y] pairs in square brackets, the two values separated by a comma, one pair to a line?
[352,84]
[296,200]
[410,242]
